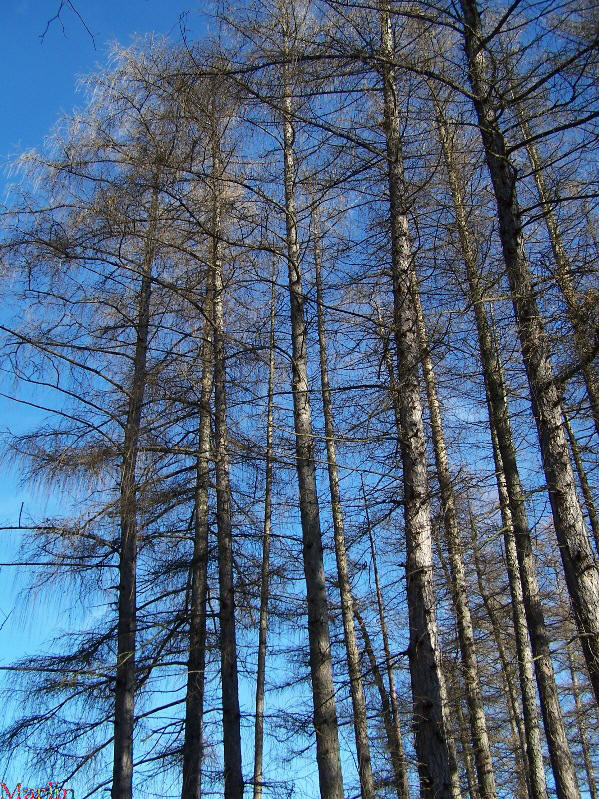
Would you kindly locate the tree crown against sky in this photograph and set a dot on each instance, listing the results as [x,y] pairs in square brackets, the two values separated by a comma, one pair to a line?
[407,151]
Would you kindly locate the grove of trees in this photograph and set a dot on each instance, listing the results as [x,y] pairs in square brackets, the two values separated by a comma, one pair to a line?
[308,313]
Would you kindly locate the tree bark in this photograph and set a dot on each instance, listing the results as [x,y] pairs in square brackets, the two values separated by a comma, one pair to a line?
[562,273]
[124,690]
[582,575]
[194,699]
[457,583]
[265,570]
[228,642]
[321,668]
[582,479]
[392,730]
[401,769]
[347,611]
[516,721]
[509,482]
[582,732]
[438,774]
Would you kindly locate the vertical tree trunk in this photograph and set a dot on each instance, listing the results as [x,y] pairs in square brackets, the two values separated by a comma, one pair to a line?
[582,575]
[194,699]
[228,642]
[562,273]
[321,667]
[124,690]
[392,730]
[469,765]
[582,479]
[347,612]
[582,732]
[402,772]
[526,667]
[438,775]
[516,722]
[509,482]
[264,574]
[457,583]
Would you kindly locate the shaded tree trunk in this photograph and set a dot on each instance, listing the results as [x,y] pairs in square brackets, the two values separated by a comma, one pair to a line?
[228,641]
[321,668]
[194,699]
[347,612]
[124,690]
[400,767]
[265,570]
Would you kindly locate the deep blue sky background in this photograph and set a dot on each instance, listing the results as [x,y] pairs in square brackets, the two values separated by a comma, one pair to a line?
[37,84]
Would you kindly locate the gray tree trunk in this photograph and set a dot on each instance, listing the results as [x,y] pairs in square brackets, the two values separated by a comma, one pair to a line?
[228,643]
[347,611]
[580,723]
[401,768]
[582,575]
[457,582]
[265,570]
[516,721]
[196,665]
[589,502]
[321,668]
[124,690]
[438,772]
[392,731]
[509,480]
[584,347]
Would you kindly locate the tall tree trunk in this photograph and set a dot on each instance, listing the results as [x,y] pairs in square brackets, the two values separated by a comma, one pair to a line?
[228,642]
[392,731]
[401,770]
[321,668]
[584,348]
[265,570]
[438,774]
[514,518]
[457,583]
[516,722]
[582,479]
[196,665]
[582,731]
[124,690]
[347,611]
[582,575]
[468,759]
[526,663]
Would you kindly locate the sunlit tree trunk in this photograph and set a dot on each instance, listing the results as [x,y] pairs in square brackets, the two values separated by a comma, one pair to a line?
[587,494]
[582,575]
[438,773]
[457,582]
[561,758]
